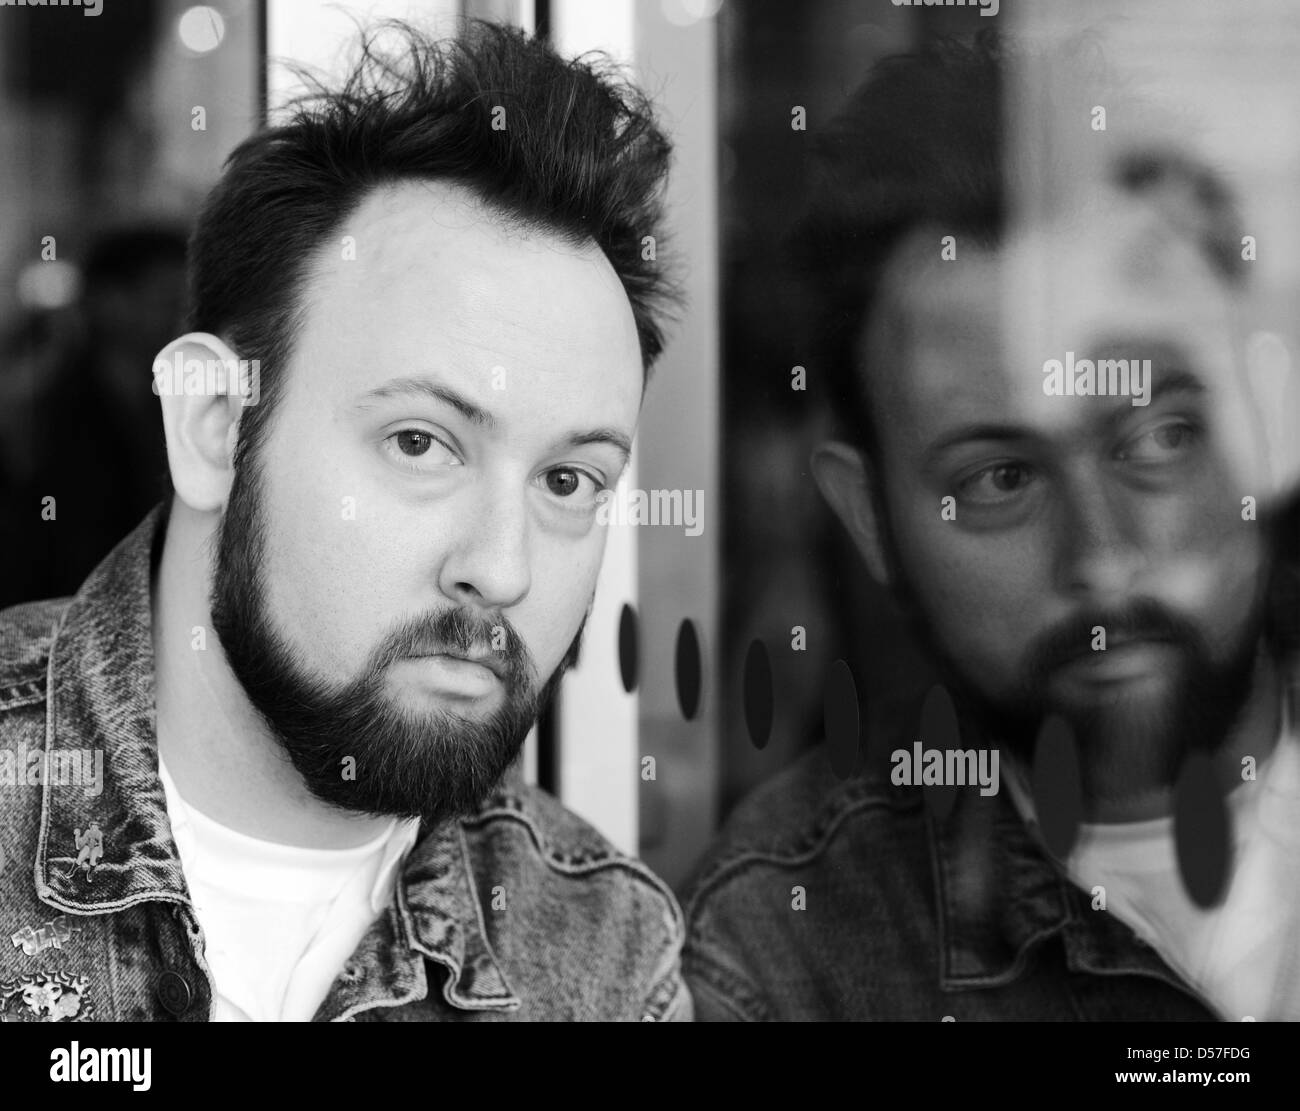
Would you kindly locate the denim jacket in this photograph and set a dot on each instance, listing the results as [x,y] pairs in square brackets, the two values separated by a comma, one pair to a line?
[846,900]
[97,921]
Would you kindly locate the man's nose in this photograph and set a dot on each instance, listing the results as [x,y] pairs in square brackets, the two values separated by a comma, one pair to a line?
[1100,550]
[488,564]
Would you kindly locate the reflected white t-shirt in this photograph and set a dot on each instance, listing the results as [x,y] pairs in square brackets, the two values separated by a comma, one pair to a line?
[279,921]
[1242,955]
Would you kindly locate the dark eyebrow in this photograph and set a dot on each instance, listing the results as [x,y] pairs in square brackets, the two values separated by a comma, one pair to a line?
[1168,363]
[966,432]
[611,436]
[1166,381]
[475,414]
[427,387]
[1174,381]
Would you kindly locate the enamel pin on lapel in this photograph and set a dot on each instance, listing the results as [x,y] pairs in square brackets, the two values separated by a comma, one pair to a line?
[46,997]
[90,848]
[51,935]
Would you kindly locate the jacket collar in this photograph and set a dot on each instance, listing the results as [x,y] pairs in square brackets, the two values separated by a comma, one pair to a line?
[100,699]
[1000,896]
[442,913]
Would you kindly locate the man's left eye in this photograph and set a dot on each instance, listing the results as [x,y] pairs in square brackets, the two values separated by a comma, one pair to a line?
[572,484]
[1161,444]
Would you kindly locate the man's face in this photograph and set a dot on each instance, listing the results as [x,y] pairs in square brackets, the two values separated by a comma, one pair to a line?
[1074,514]
[415,549]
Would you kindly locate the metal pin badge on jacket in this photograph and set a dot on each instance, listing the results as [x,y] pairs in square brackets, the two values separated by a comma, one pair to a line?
[49,996]
[51,935]
[90,849]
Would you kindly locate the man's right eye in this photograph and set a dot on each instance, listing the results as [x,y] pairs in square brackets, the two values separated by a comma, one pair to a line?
[411,442]
[417,450]
[996,483]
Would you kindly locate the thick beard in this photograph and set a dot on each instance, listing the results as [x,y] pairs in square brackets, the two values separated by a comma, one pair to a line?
[1118,740]
[354,747]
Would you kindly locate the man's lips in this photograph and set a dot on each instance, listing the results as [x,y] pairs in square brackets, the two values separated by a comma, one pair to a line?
[454,675]
[1122,640]
[1122,659]
[489,660]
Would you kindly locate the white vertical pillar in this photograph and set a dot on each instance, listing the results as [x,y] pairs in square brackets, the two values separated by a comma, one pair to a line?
[596,728]
[666,575]
[680,445]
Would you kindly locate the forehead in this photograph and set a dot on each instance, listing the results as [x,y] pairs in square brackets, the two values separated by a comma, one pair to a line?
[969,337]
[421,277]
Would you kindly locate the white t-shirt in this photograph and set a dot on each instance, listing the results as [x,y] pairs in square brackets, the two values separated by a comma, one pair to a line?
[279,921]
[1242,955]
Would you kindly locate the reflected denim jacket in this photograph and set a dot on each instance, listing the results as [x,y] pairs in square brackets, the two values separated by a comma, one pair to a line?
[846,900]
[96,921]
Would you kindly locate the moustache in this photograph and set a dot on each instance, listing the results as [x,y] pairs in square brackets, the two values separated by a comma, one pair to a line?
[488,640]
[1143,619]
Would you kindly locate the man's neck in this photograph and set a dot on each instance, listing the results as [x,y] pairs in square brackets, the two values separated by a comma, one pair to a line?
[222,757]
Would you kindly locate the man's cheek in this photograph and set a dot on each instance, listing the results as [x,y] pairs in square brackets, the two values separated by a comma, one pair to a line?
[569,598]
[978,614]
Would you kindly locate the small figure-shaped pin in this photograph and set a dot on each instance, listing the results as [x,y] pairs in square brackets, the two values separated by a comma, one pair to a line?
[90,846]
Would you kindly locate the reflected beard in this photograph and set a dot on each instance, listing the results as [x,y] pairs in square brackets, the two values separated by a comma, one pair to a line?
[1146,737]
[354,744]
[1119,738]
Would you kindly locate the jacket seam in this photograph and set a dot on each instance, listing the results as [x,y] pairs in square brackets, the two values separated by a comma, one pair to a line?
[160,895]
[613,859]
[513,1002]
[11,701]
[726,869]
[733,990]
[43,830]
[30,674]
[659,1001]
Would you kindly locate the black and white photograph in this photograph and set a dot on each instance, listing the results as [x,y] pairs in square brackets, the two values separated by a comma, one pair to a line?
[718,511]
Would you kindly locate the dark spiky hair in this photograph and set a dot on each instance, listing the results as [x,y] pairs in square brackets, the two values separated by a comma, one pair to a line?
[922,142]
[581,157]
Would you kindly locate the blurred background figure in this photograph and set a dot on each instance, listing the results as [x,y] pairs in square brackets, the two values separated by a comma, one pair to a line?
[112,127]
[89,436]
